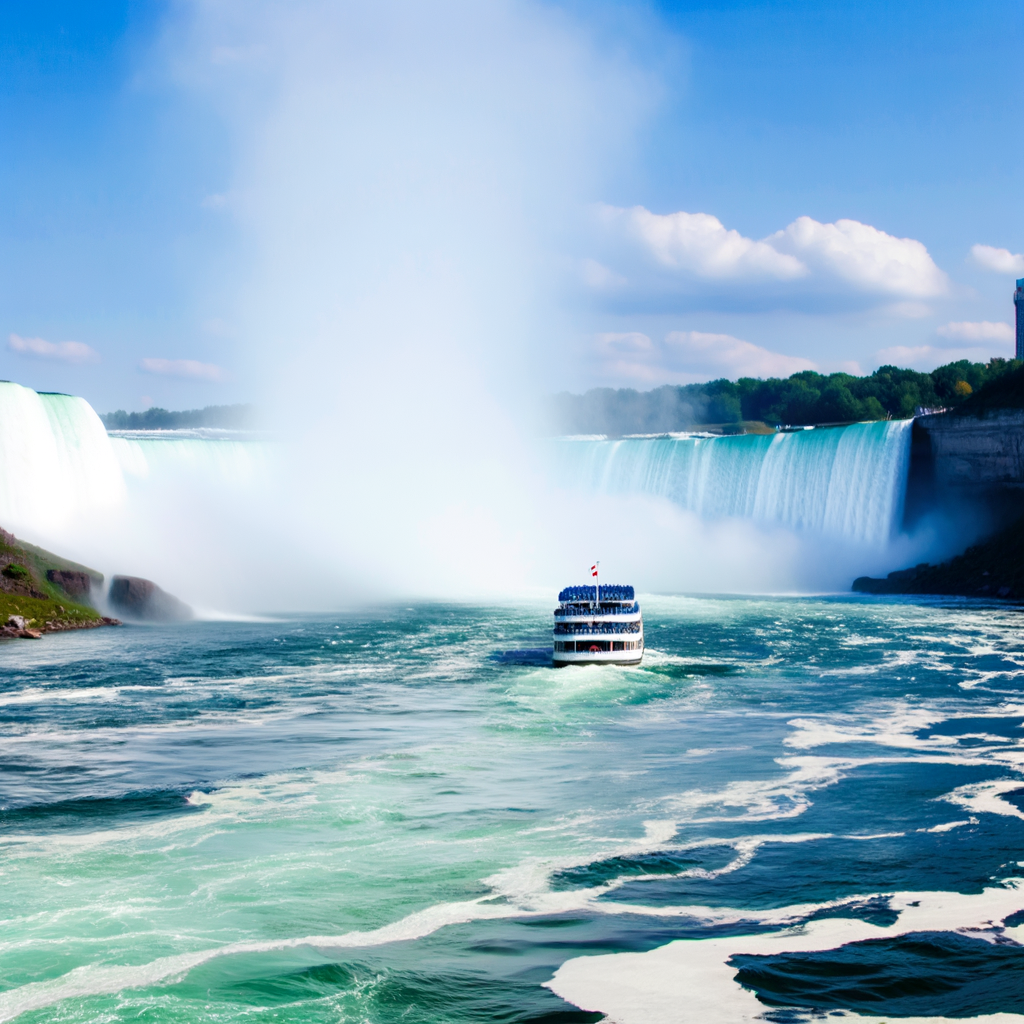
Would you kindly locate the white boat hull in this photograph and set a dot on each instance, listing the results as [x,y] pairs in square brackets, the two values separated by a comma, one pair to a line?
[599,657]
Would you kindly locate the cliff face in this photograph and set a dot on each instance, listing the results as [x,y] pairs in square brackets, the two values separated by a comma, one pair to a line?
[969,465]
[974,453]
[972,463]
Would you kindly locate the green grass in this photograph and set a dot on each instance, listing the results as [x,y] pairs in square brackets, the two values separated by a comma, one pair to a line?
[56,606]
[38,611]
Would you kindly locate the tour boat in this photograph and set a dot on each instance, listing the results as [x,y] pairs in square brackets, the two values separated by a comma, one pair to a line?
[599,625]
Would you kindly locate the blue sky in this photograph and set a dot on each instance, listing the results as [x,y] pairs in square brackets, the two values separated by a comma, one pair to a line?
[892,130]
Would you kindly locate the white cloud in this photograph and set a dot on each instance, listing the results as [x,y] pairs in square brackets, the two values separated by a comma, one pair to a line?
[700,244]
[65,351]
[984,330]
[675,250]
[183,368]
[999,261]
[686,356]
[864,257]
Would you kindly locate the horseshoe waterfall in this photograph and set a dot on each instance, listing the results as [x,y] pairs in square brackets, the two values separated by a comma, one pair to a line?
[846,482]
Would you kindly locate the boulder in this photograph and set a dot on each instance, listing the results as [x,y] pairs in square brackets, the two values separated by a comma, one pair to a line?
[16,621]
[867,585]
[74,583]
[136,598]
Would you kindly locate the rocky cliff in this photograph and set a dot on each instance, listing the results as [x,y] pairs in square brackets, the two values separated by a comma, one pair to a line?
[994,568]
[976,454]
[136,598]
[40,592]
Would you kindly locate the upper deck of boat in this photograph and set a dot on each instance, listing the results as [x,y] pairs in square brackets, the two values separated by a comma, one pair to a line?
[588,603]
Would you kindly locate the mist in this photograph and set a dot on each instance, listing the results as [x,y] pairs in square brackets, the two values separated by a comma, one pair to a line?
[407,182]
[406,189]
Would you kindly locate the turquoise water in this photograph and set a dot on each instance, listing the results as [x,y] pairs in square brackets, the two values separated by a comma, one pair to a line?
[406,815]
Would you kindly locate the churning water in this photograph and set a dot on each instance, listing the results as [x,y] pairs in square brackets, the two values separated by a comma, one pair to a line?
[406,815]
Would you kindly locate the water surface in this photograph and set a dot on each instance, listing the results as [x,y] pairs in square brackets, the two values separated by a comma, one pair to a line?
[406,815]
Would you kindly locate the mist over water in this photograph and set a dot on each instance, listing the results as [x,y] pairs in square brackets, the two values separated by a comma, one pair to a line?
[223,522]
[405,180]
[405,185]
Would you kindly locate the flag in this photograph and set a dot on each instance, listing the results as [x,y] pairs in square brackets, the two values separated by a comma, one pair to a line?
[593,569]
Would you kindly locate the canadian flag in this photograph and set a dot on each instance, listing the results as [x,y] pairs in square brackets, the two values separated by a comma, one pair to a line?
[593,569]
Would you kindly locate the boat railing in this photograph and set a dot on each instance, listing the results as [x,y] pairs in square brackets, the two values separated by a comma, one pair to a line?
[589,609]
[592,629]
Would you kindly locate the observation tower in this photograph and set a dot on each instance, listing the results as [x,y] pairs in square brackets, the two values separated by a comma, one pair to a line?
[1018,301]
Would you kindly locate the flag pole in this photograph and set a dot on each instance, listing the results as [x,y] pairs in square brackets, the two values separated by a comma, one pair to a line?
[597,574]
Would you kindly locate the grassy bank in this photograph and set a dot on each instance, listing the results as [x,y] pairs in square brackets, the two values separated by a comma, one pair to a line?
[26,591]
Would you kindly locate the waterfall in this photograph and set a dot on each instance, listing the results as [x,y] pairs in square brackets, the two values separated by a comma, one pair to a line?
[61,472]
[135,502]
[56,462]
[845,482]
[168,457]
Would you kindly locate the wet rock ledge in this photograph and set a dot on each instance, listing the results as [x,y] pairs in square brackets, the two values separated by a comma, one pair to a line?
[994,568]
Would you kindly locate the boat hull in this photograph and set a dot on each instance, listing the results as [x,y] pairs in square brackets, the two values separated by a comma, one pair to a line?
[604,658]
[561,658]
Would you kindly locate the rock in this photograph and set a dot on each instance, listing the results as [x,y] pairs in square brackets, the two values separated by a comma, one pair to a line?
[30,634]
[867,585]
[71,581]
[16,621]
[7,538]
[136,598]
[903,575]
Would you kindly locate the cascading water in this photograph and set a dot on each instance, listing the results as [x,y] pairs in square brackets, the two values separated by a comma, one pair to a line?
[170,457]
[56,462]
[190,509]
[847,482]
[114,502]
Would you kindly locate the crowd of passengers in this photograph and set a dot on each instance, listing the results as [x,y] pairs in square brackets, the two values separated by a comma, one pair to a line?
[610,592]
[565,628]
[604,609]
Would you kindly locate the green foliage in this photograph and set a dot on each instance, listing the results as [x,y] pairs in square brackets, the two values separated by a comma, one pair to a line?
[16,572]
[1001,391]
[805,398]
[235,417]
[38,611]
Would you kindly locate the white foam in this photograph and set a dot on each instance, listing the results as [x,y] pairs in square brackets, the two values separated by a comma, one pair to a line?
[986,797]
[690,980]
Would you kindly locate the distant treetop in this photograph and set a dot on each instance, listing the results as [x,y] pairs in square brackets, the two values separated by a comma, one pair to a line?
[803,399]
[227,417]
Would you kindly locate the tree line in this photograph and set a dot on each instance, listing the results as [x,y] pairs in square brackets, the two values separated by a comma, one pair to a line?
[804,398]
[228,417]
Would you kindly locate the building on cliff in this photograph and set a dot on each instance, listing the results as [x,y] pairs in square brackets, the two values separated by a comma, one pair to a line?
[1018,301]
